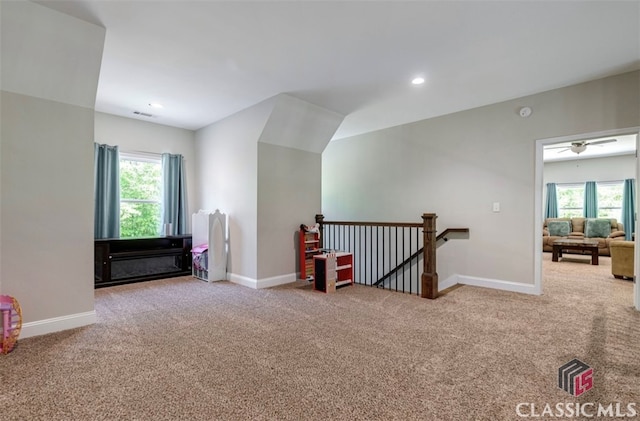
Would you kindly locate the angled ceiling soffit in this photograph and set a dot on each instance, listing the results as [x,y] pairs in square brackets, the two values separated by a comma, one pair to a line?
[298,124]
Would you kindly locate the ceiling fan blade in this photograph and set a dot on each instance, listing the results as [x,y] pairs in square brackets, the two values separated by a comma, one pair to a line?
[602,142]
[564,150]
[557,147]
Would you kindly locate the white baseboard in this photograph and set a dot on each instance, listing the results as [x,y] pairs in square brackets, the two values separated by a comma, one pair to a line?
[488,283]
[242,280]
[262,283]
[448,283]
[56,324]
[277,280]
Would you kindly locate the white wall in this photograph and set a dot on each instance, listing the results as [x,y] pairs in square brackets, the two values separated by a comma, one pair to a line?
[458,165]
[247,169]
[289,194]
[47,201]
[47,54]
[50,65]
[133,135]
[610,168]
[289,182]
[227,174]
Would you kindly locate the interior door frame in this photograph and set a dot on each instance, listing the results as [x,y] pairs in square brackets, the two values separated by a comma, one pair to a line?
[636,262]
[538,214]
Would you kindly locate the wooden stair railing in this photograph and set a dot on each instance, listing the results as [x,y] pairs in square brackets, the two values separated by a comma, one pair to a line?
[429,275]
[441,237]
[429,287]
[429,278]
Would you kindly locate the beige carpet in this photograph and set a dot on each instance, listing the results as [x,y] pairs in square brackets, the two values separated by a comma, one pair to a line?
[182,349]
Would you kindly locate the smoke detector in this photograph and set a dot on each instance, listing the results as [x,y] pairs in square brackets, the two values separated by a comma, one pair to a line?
[525,112]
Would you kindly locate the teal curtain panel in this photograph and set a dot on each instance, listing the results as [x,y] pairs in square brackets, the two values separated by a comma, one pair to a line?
[590,200]
[106,192]
[629,207]
[551,208]
[174,193]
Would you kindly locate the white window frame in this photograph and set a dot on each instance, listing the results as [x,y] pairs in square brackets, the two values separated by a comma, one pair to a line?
[611,183]
[143,157]
[581,185]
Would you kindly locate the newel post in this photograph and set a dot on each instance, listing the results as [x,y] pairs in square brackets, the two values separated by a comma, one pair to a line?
[320,222]
[429,274]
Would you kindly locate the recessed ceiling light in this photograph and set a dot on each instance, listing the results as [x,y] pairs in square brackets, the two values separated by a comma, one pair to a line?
[418,80]
[155,105]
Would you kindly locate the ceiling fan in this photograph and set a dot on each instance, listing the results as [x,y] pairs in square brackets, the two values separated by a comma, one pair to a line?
[581,145]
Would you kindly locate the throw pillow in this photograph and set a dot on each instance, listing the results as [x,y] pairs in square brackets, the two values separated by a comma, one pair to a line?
[597,228]
[559,228]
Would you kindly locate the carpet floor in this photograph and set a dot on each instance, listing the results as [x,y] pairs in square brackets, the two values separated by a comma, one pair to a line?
[182,349]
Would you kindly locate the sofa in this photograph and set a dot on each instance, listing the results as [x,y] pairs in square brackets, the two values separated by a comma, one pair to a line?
[604,230]
[622,258]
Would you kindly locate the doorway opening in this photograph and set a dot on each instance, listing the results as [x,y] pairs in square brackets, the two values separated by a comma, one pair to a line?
[592,155]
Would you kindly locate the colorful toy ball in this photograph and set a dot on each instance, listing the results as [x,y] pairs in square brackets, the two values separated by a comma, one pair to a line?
[11,323]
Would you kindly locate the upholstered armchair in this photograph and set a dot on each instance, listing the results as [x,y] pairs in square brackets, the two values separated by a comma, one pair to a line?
[622,258]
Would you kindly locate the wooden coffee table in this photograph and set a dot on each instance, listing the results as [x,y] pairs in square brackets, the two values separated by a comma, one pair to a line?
[566,244]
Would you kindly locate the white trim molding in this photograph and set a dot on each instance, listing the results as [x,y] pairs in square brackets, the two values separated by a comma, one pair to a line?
[242,280]
[57,324]
[488,283]
[262,283]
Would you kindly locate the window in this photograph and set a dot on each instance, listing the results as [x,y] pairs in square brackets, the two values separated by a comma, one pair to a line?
[140,195]
[570,200]
[610,199]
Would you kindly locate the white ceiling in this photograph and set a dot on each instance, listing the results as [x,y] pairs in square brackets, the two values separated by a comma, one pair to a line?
[205,60]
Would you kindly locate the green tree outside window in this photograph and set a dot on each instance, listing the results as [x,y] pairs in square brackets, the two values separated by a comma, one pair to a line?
[140,198]
[571,199]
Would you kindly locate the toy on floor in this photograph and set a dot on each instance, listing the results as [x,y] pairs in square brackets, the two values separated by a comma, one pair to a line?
[11,323]
[310,228]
